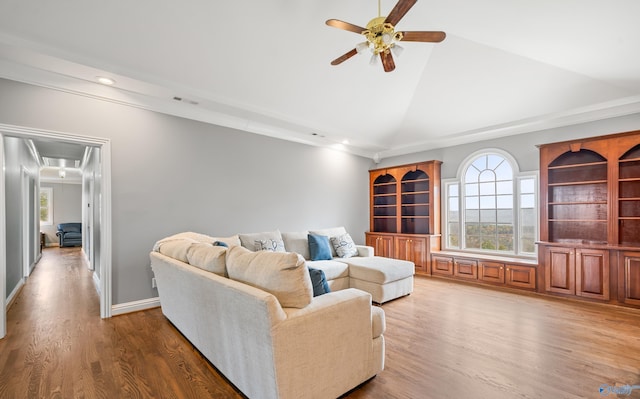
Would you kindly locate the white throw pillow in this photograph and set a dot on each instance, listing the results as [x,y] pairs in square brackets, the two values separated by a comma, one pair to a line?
[269,245]
[208,257]
[344,245]
[283,274]
[249,240]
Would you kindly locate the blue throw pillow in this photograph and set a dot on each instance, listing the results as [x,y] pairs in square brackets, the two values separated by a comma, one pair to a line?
[319,247]
[319,282]
[220,244]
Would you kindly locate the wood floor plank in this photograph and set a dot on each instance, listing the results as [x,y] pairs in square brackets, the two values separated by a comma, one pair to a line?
[446,340]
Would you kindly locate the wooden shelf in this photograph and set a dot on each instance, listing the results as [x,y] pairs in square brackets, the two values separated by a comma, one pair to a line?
[577,165]
[577,183]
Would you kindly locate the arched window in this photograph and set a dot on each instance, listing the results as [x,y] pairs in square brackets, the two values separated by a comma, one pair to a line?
[490,207]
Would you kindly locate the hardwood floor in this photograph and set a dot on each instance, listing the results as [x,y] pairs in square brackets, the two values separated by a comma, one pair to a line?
[446,340]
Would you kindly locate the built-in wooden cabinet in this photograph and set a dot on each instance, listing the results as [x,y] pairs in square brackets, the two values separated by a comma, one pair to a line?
[629,278]
[590,216]
[442,265]
[494,270]
[405,212]
[382,244]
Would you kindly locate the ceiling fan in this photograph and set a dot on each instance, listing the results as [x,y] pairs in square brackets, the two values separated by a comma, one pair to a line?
[381,36]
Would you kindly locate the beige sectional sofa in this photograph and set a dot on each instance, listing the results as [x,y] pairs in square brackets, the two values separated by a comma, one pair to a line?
[253,315]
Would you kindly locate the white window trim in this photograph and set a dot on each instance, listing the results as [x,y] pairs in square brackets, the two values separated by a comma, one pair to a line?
[459,180]
[48,222]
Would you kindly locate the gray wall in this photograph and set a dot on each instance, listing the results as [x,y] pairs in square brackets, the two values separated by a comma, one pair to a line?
[16,155]
[522,147]
[171,174]
[67,207]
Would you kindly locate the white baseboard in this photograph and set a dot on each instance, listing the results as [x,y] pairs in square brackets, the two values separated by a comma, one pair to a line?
[12,296]
[135,306]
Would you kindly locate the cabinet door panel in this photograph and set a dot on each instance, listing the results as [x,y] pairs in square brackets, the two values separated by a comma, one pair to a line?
[491,272]
[631,282]
[592,273]
[521,276]
[442,265]
[382,245]
[465,268]
[414,250]
[560,270]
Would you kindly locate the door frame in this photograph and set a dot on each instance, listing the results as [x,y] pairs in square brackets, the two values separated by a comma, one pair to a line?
[105,211]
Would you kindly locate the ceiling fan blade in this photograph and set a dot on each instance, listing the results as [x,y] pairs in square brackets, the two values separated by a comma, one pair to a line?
[399,10]
[434,37]
[344,57]
[336,23]
[387,61]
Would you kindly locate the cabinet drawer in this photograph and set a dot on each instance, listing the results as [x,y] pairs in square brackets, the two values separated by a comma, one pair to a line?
[521,276]
[442,265]
[465,268]
[491,272]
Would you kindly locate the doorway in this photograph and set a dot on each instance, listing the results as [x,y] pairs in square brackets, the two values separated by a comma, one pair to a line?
[102,257]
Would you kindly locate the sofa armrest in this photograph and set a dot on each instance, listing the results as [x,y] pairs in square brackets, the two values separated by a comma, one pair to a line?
[330,340]
[365,251]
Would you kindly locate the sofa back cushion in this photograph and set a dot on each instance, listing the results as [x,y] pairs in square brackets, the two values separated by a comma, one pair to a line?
[283,274]
[297,242]
[208,257]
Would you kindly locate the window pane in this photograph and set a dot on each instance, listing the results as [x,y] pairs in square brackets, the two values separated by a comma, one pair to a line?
[487,175]
[504,187]
[488,216]
[472,202]
[480,163]
[472,215]
[504,171]
[504,201]
[487,188]
[527,201]
[471,189]
[488,202]
[453,190]
[505,216]
[493,161]
[527,186]
[453,205]
[472,175]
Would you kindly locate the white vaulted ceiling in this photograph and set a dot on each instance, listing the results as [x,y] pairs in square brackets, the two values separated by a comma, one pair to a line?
[506,66]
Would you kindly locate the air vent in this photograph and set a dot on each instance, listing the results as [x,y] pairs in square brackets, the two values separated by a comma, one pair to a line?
[185,100]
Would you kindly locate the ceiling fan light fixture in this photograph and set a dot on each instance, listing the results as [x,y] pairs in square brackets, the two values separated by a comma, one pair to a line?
[397,50]
[374,59]
[362,47]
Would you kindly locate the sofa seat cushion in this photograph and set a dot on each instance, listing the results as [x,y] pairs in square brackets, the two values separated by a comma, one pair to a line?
[332,269]
[72,235]
[379,270]
[283,274]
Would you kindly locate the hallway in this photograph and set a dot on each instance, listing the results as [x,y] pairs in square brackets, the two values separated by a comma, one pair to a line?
[58,347]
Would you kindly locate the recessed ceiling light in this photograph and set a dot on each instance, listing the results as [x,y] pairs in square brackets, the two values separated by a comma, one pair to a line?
[105,80]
